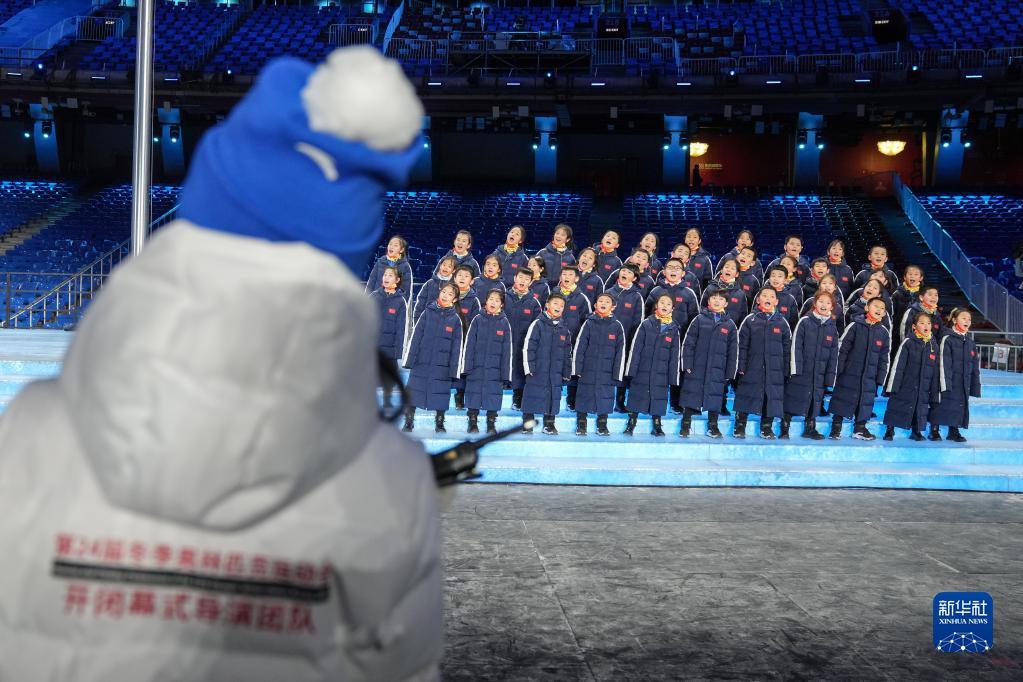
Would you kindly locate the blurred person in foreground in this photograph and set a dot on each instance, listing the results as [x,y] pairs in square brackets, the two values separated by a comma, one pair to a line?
[207,491]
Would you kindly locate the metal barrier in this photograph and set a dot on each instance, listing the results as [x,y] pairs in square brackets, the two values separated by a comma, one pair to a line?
[411,50]
[713,66]
[769,65]
[950,59]
[835,63]
[97,29]
[989,297]
[883,61]
[1003,56]
[70,294]
[343,35]
[653,50]
[1001,356]
[604,51]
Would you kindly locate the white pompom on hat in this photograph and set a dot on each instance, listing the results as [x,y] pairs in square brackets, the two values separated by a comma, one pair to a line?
[360,96]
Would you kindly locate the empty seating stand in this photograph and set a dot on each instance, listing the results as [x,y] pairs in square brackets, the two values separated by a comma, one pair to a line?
[430,219]
[986,227]
[771,217]
[181,32]
[72,242]
[269,31]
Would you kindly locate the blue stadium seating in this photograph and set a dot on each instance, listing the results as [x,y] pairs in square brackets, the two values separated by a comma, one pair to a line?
[270,32]
[986,227]
[8,8]
[429,220]
[20,200]
[817,219]
[181,32]
[95,227]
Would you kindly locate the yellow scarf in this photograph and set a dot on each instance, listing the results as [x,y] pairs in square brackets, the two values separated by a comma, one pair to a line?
[510,251]
[921,336]
[910,289]
[929,311]
[567,292]
[664,320]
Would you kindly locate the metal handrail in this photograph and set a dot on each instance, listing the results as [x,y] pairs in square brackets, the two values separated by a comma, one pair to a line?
[993,300]
[119,251]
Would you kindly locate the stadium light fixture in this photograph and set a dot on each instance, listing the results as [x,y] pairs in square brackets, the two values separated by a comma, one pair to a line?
[698,148]
[801,139]
[536,142]
[175,133]
[666,143]
[891,147]
[552,142]
[946,138]
[46,128]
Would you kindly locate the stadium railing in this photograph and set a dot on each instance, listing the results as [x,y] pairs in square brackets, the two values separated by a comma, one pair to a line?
[70,295]
[993,300]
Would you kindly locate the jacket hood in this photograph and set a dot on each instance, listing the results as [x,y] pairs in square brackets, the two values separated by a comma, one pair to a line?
[217,378]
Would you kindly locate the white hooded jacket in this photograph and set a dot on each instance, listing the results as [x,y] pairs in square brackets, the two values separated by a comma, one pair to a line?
[206,491]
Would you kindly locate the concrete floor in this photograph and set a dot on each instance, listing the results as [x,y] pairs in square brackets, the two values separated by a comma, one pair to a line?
[587,583]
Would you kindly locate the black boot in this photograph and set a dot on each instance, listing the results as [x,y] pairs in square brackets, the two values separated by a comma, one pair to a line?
[767,428]
[517,399]
[656,430]
[526,419]
[724,406]
[631,426]
[548,425]
[459,400]
[934,433]
[474,426]
[836,428]
[492,421]
[916,435]
[739,428]
[810,427]
[786,421]
[889,433]
[573,390]
[860,432]
[673,397]
[580,424]
[438,422]
[602,425]
[620,399]
[686,428]
[712,425]
[410,419]
[954,435]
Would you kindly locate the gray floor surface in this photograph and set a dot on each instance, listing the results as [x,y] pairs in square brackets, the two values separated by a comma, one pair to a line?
[581,583]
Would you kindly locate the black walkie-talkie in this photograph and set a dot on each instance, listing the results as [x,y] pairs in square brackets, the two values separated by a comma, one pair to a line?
[459,463]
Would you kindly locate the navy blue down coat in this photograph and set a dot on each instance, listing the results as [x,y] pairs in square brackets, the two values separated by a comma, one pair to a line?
[736,305]
[511,263]
[710,355]
[546,359]
[599,361]
[427,295]
[813,365]
[764,342]
[393,318]
[912,383]
[486,361]
[653,366]
[686,306]
[521,312]
[375,279]
[863,354]
[958,380]
[629,306]
[554,261]
[591,284]
[432,357]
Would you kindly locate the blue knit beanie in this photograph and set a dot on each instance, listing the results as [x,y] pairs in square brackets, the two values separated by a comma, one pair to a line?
[307,155]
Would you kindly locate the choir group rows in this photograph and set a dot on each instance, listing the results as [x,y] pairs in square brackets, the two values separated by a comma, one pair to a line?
[642,336]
